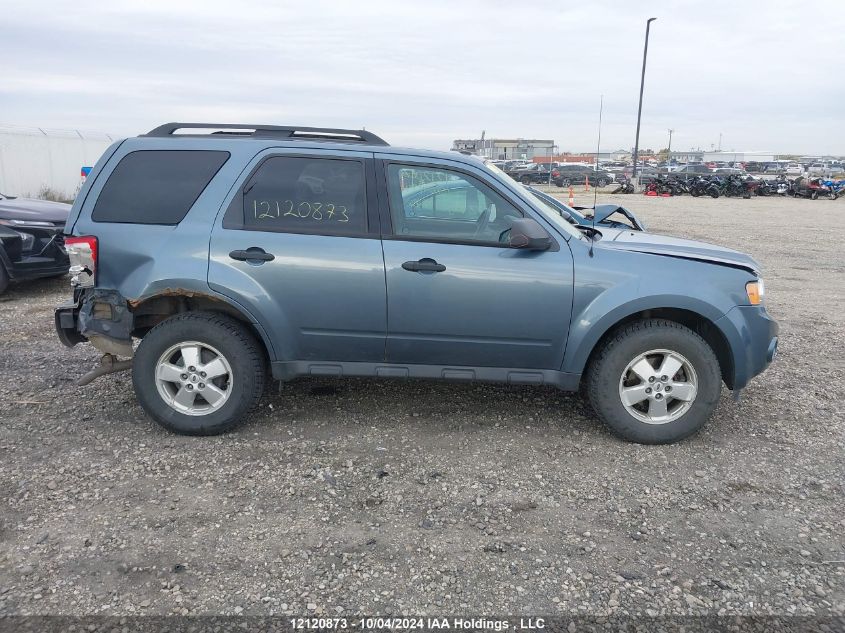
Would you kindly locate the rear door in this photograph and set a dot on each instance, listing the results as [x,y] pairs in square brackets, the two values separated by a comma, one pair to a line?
[299,247]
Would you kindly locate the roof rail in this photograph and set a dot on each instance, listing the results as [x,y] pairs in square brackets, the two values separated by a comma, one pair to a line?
[242,130]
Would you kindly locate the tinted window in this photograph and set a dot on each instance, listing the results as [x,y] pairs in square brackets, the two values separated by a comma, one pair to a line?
[156,187]
[303,195]
[446,205]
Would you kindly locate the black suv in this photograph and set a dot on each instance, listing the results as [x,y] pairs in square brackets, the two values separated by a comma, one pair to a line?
[575,174]
[31,244]
[538,173]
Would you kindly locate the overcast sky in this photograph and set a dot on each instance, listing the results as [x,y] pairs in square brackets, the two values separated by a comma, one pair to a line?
[767,75]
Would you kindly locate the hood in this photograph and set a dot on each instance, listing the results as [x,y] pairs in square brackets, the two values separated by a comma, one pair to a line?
[603,211]
[29,209]
[654,244]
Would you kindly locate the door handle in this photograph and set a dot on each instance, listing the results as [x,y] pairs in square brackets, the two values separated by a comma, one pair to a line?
[426,264]
[251,254]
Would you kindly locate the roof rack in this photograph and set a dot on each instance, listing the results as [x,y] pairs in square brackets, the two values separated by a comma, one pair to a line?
[271,131]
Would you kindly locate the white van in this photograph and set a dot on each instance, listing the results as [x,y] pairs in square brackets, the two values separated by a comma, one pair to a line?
[794,169]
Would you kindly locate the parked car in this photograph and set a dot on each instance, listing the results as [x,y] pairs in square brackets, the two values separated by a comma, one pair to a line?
[309,251]
[625,218]
[31,244]
[645,174]
[536,173]
[696,169]
[794,169]
[730,171]
[574,174]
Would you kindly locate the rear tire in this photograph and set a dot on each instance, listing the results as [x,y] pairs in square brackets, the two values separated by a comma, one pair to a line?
[601,182]
[698,377]
[221,342]
[4,279]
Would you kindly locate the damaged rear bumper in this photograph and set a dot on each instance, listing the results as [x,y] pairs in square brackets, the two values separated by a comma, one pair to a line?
[101,317]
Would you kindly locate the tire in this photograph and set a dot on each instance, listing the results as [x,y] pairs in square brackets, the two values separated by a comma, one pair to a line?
[214,333]
[601,182]
[606,373]
[4,279]
[714,193]
[525,180]
[814,195]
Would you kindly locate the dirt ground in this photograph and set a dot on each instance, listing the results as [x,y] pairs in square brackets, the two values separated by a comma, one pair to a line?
[360,496]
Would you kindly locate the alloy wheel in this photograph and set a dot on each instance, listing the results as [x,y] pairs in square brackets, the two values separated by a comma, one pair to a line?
[194,378]
[658,386]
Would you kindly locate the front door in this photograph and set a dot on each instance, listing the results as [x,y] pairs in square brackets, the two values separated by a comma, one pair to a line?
[457,295]
[298,248]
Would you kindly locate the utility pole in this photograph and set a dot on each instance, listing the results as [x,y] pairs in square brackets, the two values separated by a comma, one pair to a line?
[640,108]
[670,144]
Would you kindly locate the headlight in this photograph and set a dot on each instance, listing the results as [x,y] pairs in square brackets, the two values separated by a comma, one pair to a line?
[755,291]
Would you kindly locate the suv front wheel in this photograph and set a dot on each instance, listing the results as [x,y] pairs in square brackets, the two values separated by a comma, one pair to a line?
[654,382]
[198,373]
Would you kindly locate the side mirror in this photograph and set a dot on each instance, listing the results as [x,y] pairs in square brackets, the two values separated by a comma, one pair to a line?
[528,234]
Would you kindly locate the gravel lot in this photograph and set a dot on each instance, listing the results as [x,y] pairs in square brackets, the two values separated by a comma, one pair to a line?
[359,496]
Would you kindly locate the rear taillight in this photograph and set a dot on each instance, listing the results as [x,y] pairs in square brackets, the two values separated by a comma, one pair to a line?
[82,252]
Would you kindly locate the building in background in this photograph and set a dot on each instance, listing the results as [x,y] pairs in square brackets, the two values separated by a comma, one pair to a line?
[40,162]
[506,149]
[722,156]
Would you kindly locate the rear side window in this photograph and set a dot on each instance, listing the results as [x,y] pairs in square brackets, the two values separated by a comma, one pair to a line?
[156,186]
[324,196]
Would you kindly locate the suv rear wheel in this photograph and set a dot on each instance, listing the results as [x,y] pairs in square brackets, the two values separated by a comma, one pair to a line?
[198,373]
[654,382]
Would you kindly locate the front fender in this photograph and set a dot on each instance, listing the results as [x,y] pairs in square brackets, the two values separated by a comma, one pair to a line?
[613,285]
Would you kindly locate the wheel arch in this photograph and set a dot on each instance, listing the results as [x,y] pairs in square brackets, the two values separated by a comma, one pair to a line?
[152,310]
[579,359]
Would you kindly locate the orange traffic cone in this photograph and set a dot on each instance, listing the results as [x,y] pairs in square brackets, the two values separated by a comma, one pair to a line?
[586,183]
[571,197]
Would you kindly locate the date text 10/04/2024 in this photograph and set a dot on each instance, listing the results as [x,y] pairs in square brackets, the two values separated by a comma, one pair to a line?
[418,623]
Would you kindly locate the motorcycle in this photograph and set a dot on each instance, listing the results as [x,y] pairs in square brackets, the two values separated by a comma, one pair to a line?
[836,186]
[658,187]
[812,188]
[625,186]
[731,185]
[780,186]
[699,186]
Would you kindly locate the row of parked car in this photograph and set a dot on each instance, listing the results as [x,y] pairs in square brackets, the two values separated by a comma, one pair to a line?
[566,174]
[560,174]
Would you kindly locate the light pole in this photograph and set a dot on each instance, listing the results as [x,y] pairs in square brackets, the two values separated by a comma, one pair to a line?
[669,149]
[640,108]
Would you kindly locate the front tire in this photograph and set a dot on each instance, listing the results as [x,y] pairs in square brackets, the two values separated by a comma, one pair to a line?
[4,279]
[198,373]
[628,379]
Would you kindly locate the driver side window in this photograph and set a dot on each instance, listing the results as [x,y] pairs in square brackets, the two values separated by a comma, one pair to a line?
[446,205]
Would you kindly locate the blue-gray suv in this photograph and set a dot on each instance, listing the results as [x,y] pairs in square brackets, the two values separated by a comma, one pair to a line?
[238,252]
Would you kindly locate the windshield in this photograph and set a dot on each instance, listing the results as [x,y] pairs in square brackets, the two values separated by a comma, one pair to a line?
[549,212]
